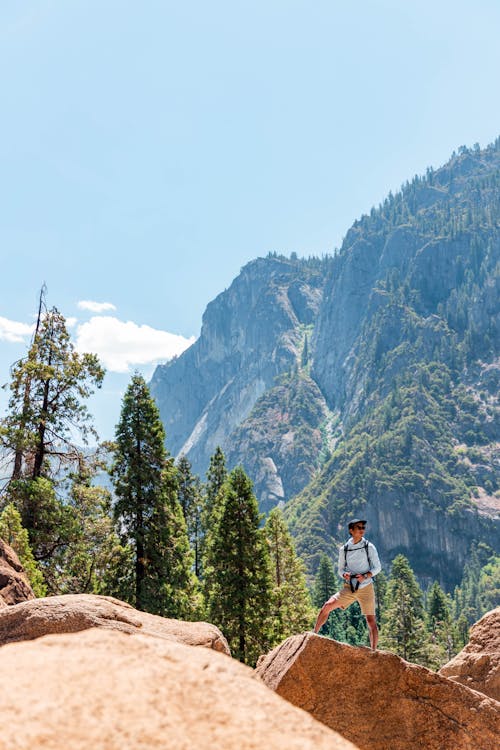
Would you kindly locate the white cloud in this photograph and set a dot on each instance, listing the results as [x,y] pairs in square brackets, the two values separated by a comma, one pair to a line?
[96,307]
[120,345]
[71,322]
[14,332]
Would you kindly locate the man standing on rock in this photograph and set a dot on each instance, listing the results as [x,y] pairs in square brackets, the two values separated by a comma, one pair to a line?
[358,564]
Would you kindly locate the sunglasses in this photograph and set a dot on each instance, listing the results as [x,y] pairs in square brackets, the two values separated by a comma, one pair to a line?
[359,526]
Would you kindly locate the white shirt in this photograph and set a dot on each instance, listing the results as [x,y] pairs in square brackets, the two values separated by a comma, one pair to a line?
[357,561]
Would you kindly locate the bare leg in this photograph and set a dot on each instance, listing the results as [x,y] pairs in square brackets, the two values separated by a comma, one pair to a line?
[373,630]
[325,610]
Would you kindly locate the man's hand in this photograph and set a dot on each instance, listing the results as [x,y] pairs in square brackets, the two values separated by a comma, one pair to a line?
[347,576]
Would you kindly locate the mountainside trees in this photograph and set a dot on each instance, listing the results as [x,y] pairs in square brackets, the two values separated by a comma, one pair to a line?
[237,572]
[291,602]
[47,409]
[147,510]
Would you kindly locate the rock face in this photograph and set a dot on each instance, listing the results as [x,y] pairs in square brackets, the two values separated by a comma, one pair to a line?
[280,443]
[377,699]
[75,612]
[251,333]
[368,378]
[478,665]
[14,584]
[108,691]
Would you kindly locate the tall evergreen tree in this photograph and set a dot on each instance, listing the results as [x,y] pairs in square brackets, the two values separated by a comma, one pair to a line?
[403,621]
[440,627]
[147,509]
[292,610]
[325,582]
[237,572]
[216,477]
[213,500]
[46,408]
[189,494]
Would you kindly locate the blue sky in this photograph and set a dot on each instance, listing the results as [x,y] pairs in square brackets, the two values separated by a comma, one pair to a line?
[149,150]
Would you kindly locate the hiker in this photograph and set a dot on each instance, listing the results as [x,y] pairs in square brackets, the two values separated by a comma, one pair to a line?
[358,564]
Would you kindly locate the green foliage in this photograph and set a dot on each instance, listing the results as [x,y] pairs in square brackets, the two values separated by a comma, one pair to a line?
[237,575]
[325,582]
[216,478]
[291,603]
[403,628]
[479,590]
[12,532]
[47,403]
[419,399]
[190,499]
[284,425]
[148,513]
[443,635]
[46,408]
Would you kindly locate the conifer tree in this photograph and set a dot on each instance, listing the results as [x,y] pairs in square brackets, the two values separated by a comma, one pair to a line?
[292,610]
[95,549]
[237,572]
[148,512]
[403,621]
[325,582]
[189,494]
[216,477]
[46,407]
[442,635]
[12,532]
[213,500]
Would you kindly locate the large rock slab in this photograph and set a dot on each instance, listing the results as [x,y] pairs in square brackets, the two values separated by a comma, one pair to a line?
[478,665]
[73,612]
[378,700]
[108,691]
[14,584]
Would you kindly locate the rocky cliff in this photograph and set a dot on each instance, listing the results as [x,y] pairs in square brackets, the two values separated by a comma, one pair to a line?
[251,334]
[367,382]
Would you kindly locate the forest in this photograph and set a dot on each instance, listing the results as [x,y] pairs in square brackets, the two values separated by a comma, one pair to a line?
[125,519]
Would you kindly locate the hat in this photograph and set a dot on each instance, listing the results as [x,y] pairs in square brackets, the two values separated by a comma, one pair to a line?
[355,521]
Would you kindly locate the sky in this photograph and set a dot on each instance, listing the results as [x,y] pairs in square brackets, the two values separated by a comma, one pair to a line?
[150,150]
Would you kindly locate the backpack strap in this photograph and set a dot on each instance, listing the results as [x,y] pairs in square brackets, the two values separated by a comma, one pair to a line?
[365,546]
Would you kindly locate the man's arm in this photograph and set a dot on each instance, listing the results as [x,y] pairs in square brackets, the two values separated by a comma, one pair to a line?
[341,563]
[374,559]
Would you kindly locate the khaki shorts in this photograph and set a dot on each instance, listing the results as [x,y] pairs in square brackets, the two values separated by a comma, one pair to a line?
[365,597]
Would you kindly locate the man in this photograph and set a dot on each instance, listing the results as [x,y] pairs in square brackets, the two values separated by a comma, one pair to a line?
[358,564]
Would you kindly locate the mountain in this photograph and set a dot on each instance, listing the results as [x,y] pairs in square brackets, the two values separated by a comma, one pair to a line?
[252,334]
[367,382]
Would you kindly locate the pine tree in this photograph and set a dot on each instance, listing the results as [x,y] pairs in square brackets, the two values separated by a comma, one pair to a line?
[237,572]
[440,627]
[292,610]
[216,477]
[147,510]
[324,583]
[12,532]
[48,391]
[46,407]
[403,621]
[213,500]
[189,494]
[82,566]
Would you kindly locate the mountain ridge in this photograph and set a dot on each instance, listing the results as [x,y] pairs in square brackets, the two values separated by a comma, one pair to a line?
[376,371]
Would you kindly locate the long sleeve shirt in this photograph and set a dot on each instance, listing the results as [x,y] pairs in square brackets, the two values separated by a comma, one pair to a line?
[357,560]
